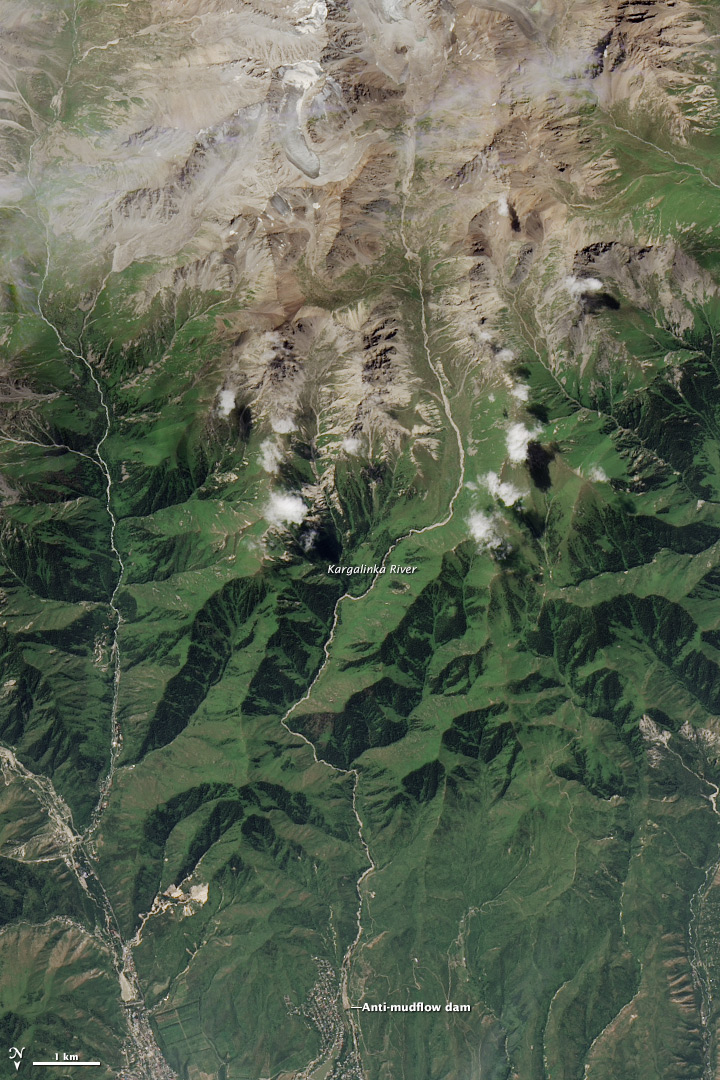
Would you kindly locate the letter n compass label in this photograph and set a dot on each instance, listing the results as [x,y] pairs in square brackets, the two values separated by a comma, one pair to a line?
[16,1056]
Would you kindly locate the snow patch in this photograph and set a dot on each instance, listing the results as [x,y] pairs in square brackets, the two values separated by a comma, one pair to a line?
[301,76]
[314,20]
[285,509]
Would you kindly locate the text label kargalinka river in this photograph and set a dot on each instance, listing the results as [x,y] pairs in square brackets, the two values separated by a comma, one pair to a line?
[372,568]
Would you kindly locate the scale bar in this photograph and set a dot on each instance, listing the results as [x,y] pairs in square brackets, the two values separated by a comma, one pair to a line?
[65,1064]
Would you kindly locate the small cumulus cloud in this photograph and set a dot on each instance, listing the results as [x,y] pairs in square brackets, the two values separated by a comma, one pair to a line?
[227,402]
[270,456]
[285,509]
[505,356]
[483,529]
[520,392]
[517,438]
[308,540]
[502,489]
[580,286]
[502,205]
[351,445]
[283,425]
[598,475]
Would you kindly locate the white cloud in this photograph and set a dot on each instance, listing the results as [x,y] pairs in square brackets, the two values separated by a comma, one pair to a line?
[351,445]
[505,356]
[283,425]
[598,475]
[520,392]
[483,529]
[227,402]
[518,437]
[503,208]
[579,286]
[270,456]
[308,540]
[285,509]
[502,489]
